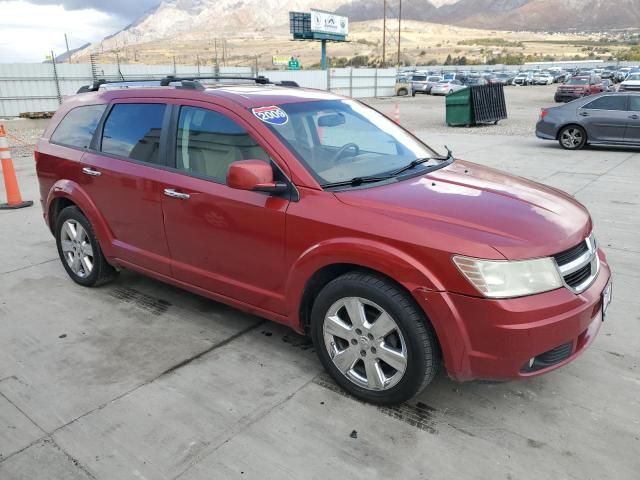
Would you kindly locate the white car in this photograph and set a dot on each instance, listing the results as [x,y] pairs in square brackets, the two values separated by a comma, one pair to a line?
[445,87]
[524,78]
[543,79]
[631,83]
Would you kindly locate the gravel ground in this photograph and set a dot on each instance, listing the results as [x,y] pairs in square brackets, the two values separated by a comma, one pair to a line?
[426,112]
[419,113]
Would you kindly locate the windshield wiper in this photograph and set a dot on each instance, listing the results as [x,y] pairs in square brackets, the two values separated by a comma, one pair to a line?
[420,161]
[356,181]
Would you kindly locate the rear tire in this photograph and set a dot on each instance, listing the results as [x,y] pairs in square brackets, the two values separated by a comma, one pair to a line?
[572,137]
[354,344]
[80,251]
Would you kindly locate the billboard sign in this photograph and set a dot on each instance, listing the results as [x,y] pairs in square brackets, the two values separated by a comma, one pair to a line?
[325,22]
[282,60]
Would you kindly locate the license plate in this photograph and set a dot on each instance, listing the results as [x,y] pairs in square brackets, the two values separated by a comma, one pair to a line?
[606,299]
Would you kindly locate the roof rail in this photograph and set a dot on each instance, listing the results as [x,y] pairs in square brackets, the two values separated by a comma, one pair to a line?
[170,79]
[186,82]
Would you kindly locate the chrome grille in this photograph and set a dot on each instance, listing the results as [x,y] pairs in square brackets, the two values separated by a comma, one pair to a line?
[579,265]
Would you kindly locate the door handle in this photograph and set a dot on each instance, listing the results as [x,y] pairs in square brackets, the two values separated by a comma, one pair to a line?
[170,192]
[90,171]
[635,117]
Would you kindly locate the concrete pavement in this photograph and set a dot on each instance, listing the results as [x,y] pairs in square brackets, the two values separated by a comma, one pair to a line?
[141,380]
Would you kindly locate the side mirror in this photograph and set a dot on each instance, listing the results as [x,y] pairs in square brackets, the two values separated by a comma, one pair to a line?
[255,176]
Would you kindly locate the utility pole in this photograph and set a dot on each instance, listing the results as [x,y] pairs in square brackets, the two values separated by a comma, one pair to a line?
[399,29]
[66,40]
[384,34]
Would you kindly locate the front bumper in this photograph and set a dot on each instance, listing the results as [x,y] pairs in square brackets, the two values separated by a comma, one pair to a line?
[567,96]
[495,339]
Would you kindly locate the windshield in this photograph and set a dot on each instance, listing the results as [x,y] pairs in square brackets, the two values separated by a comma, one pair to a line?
[449,76]
[578,81]
[634,76]
[434,79]
[338,140]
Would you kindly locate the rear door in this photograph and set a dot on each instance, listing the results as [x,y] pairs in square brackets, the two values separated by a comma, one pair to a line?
[120,174]
[632,134]
[605,118]
[227,241]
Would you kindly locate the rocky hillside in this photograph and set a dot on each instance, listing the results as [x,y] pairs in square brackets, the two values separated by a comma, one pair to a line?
[207,19]
[541,15]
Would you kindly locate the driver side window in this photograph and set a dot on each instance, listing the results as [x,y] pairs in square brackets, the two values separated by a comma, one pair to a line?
[209,142]
[354,130]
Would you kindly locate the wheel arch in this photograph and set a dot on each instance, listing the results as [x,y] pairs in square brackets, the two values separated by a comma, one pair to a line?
[66,193]
[322,263]
[572,124]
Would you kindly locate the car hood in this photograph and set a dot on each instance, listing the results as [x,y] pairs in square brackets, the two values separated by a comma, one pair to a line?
[634,83]
[517,217]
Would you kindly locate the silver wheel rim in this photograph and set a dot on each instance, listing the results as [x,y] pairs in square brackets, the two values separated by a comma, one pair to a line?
[572,138]
[365,343]
[76,248]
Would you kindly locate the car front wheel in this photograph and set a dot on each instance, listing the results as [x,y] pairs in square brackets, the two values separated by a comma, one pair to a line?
[79,250]
[373,339]
[572,137]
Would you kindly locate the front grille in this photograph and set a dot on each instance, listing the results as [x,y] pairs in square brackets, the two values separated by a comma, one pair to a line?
[570,255]
[578,277]
[579,265]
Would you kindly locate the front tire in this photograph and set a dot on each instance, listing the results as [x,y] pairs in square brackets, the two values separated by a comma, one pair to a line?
[80,251]
[373,339]
[572,137]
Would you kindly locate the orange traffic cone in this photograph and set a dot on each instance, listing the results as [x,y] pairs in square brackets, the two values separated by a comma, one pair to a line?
[14,200]
[396,115]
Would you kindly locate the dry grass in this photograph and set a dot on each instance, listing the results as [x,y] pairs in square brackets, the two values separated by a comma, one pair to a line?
[421,42]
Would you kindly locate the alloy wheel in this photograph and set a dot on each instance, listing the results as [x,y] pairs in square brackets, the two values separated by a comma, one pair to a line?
[572,138]
[365,343]
[76,248]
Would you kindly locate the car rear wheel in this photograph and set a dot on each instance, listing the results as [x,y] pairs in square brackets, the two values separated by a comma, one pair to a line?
[373,340]
[572,137]
[79,250]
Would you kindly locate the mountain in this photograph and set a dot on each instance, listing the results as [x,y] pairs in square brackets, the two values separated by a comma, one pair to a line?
[540,15]
[210,18]
[207,19]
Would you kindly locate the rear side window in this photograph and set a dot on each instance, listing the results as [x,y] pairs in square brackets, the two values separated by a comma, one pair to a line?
[610,102]
[209,142]
[133,130]
[77,127]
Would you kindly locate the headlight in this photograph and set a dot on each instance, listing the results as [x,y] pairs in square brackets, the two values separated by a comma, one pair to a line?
[508,279]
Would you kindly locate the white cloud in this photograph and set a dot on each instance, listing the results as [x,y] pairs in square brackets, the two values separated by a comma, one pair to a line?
[29,32]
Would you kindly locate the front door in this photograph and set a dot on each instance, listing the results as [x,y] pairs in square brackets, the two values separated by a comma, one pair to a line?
[605,118]
[226,241]
[120,175]
[633,127]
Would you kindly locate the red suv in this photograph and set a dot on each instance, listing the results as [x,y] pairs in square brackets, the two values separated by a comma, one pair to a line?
[577,87]
[318,212]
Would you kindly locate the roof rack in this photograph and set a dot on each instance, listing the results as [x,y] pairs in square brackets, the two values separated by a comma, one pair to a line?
[168,80]
[185,82]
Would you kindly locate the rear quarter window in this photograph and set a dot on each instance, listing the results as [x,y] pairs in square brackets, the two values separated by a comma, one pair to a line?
[78,126]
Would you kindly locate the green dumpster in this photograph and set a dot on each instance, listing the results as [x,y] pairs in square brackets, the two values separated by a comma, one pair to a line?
[460,108]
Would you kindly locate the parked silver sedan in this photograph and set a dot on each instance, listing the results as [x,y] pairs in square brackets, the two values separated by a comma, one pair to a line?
[605,118]
[445,87]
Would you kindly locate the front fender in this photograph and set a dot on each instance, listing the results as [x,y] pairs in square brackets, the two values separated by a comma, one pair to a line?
[390,261]
[75,193]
